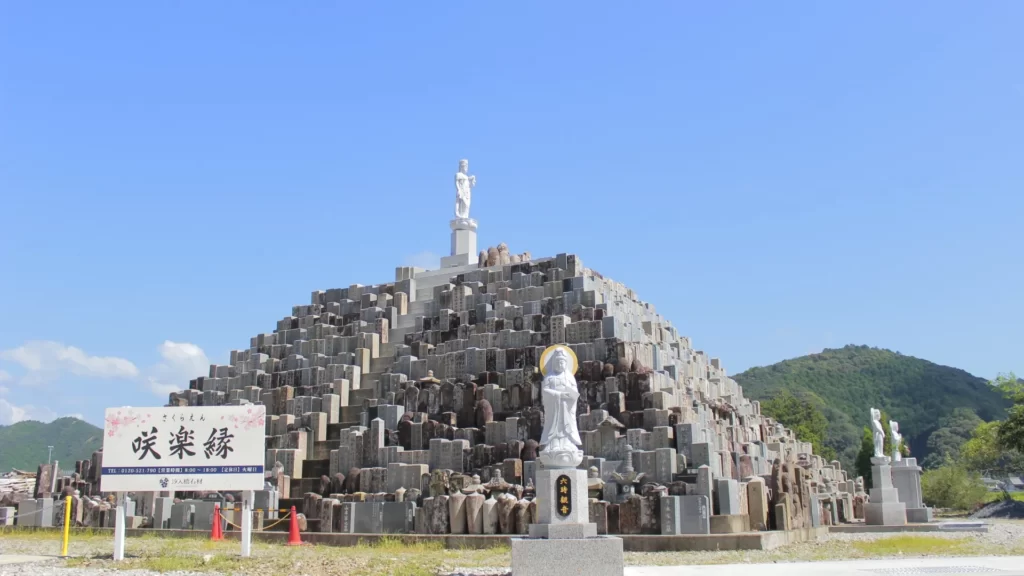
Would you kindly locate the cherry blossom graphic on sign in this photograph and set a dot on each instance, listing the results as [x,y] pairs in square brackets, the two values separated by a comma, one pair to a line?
[249,420]
[119,420]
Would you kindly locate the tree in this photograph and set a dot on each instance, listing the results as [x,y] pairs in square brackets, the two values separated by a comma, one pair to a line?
[867,450]
[953,430]
[953,486]
[984,454]
[802,417]
[1011,431]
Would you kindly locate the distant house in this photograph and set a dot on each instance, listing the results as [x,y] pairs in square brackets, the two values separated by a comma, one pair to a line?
[1015,483]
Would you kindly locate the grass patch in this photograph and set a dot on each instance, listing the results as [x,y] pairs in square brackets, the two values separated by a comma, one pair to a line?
[996,496]
[914,545]
[52,533]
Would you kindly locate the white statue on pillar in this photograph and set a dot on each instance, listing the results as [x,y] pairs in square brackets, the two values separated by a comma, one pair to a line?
[561,438]
[897,439]
[464,184]
[877,432]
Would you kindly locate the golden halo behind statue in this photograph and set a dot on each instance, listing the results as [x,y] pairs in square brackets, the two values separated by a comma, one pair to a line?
[547,354]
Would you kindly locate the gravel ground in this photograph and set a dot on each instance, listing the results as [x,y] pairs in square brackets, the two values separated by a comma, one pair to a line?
[150,556]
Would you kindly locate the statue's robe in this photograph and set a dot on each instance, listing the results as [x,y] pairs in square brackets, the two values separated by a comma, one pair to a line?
[559,395]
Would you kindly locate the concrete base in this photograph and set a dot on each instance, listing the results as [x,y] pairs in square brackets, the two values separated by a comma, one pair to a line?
[563,531]
[457,260]
[601,556]
[919,515]
[730,524]
[885,513]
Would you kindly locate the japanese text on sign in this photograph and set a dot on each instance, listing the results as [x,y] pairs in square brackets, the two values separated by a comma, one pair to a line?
[152,449]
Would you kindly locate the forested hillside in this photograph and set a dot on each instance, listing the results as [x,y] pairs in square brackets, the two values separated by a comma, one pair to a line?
[24,445]
[845,383]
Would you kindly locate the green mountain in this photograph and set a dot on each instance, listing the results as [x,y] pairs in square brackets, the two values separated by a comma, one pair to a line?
[845,383]
[24,445]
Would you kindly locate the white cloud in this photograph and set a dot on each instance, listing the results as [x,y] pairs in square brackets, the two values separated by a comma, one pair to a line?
[425,259]
[4,375]
[4,390]
[45,360]
[182,361]
[11,414]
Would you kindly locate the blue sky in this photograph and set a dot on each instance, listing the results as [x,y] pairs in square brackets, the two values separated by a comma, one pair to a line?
[775,177]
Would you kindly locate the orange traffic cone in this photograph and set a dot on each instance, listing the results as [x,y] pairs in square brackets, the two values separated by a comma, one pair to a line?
[293,530]
[217,533]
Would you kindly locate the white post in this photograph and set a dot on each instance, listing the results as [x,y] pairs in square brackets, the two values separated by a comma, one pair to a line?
[247,498]
[119,521]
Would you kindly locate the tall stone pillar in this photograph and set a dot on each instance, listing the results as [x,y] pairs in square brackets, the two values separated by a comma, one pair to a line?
[564,541]
[884,508]
[463,251]
[906,477]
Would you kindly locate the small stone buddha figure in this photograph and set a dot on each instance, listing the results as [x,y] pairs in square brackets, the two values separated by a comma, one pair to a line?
[497,484]
[429,378]
[530,491]
[474,486]
[595,486]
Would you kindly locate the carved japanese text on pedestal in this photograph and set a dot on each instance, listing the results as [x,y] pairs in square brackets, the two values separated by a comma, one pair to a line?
[564,495]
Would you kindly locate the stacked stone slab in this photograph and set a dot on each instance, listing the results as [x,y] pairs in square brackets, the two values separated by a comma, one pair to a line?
[425,390]
[885,507]
[906,477]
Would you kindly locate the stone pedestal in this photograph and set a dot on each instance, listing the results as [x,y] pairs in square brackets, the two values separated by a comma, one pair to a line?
[906,477]
[463,244]
[564,541]
[562,507]
[600,556]
[884,508]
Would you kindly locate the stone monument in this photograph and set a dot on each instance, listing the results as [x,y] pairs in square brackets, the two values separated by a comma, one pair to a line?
[906,476]
[563,539]
[885,507]
[418,405]
[463,227]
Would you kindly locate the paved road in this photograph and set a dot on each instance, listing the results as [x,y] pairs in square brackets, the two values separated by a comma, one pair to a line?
[981,565]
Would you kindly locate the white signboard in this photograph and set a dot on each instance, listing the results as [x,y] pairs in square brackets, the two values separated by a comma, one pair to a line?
[183,448]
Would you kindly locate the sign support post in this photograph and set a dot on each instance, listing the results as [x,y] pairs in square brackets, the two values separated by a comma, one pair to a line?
[67,527]
[119,520]
[247,498]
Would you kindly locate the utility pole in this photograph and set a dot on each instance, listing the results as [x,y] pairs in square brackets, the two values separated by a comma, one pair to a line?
[49,455]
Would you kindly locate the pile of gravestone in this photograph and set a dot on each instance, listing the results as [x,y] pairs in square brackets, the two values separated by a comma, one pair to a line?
[414,406]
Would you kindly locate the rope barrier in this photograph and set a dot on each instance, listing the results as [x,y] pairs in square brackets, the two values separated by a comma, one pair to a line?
[39,511]
[279,521]
[286,516]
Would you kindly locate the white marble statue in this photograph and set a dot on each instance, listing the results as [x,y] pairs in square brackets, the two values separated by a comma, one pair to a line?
[464,184]
[560,438]
[897,439]
[877,432]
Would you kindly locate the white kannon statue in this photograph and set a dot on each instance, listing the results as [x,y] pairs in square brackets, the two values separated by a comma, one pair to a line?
[897,440]
[561,438]
[877,432]
[464,184]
